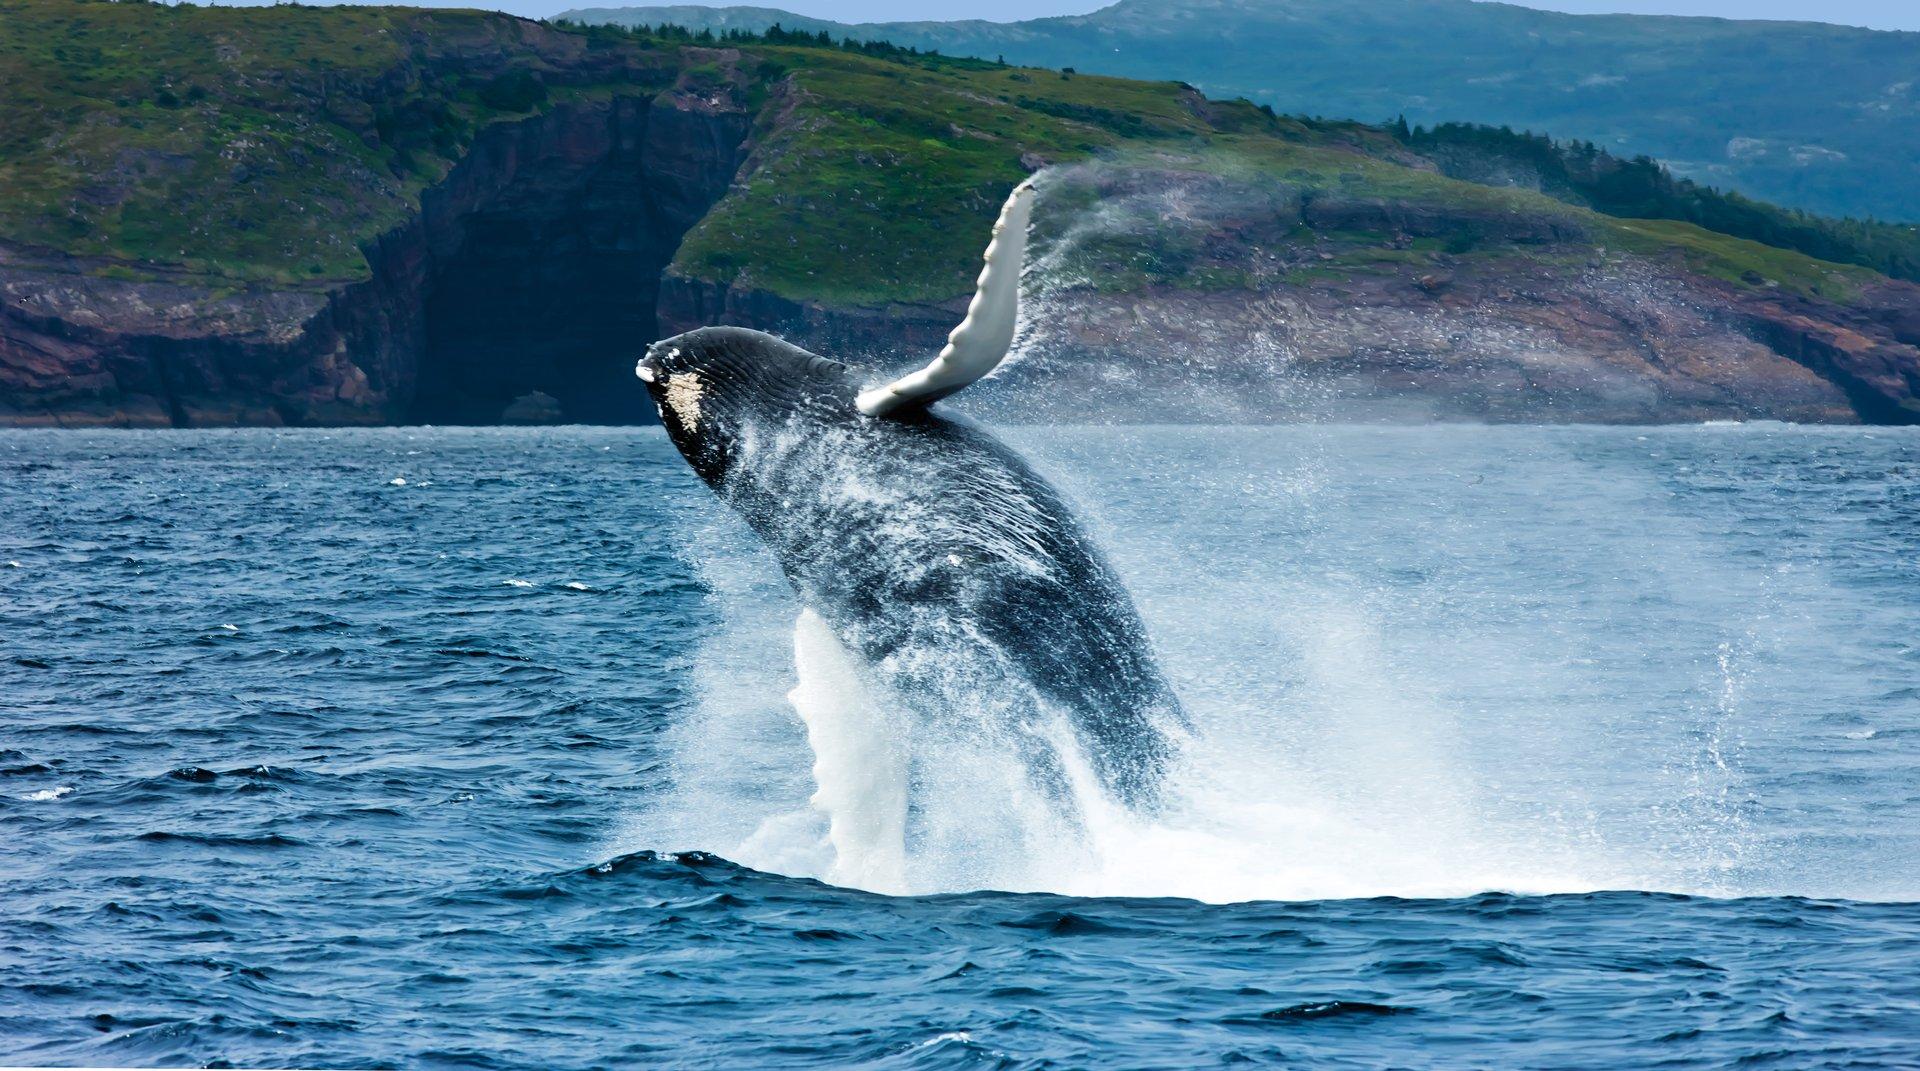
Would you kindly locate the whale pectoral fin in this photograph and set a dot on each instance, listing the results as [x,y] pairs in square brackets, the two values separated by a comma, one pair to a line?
[981,341]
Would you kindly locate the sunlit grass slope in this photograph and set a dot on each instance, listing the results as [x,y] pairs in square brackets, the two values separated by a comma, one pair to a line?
[268,146]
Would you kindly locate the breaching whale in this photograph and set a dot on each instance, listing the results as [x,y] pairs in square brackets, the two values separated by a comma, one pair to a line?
[929,547]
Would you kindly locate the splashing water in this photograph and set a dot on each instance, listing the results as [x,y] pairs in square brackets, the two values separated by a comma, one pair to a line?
[859,760]
[1234,829]
[1424,662]
[1420,662]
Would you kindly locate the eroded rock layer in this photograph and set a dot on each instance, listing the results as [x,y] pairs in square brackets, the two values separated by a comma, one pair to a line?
[531,267]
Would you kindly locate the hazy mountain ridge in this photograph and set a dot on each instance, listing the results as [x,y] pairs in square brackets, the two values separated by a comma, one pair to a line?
[1803,114]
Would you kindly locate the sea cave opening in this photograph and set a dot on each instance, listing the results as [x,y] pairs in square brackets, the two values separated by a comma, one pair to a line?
[547,246]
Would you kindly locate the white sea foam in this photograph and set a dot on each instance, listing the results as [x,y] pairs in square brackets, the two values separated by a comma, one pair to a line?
[1243,821]
[1373,714]
[516,583]
[47,794]
[859,761]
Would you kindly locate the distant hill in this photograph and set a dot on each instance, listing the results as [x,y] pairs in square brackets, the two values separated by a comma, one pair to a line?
[1810,115]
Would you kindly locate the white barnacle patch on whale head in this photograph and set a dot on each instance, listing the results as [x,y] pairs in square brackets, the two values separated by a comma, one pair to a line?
[717,387]
[683,397]
[675,387]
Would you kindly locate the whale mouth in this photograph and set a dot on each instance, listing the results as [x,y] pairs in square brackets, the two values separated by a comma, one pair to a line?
[652,368]
[661,360]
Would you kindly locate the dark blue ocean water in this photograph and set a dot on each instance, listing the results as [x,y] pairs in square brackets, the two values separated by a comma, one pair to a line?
[1516,748]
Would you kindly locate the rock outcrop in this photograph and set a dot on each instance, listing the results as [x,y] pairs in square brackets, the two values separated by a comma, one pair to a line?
[1620,343]
[543,262]
[1537,325]
[537,258]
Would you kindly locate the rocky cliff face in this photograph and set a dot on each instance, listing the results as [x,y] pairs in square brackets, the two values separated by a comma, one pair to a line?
[509,212]
[1611,344]
[1619,343]
[551,252]
[531,267]
[1537,325]
[544,261]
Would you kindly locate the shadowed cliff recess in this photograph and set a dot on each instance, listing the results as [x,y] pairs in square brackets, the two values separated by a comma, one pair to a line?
[325,216]
[534,266]
[548,244]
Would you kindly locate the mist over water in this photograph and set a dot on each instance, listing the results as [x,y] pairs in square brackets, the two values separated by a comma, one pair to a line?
[1420,662]
[1187,225]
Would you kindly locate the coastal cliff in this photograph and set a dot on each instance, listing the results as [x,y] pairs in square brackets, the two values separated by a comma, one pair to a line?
[568,217]
[485,218]
[1259,304]
[564,215]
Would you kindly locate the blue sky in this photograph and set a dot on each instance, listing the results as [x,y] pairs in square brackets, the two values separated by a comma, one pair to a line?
[1879,14]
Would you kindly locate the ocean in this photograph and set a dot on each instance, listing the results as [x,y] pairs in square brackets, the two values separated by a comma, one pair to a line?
[1513,747]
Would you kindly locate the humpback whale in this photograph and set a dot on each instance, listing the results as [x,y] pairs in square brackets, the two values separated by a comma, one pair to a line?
[929,547]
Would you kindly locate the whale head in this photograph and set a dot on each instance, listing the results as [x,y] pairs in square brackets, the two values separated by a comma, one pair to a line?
[714,385]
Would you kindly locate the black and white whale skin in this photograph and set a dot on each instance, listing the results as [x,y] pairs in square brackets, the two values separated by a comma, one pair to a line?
[930,549]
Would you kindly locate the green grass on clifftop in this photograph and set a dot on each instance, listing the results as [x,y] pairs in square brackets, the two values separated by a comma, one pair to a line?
[1800,113]
[253,144]
[269,146]
[878,184]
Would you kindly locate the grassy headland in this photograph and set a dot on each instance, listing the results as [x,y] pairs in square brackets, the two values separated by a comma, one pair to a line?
[267,146]
[1803,114]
